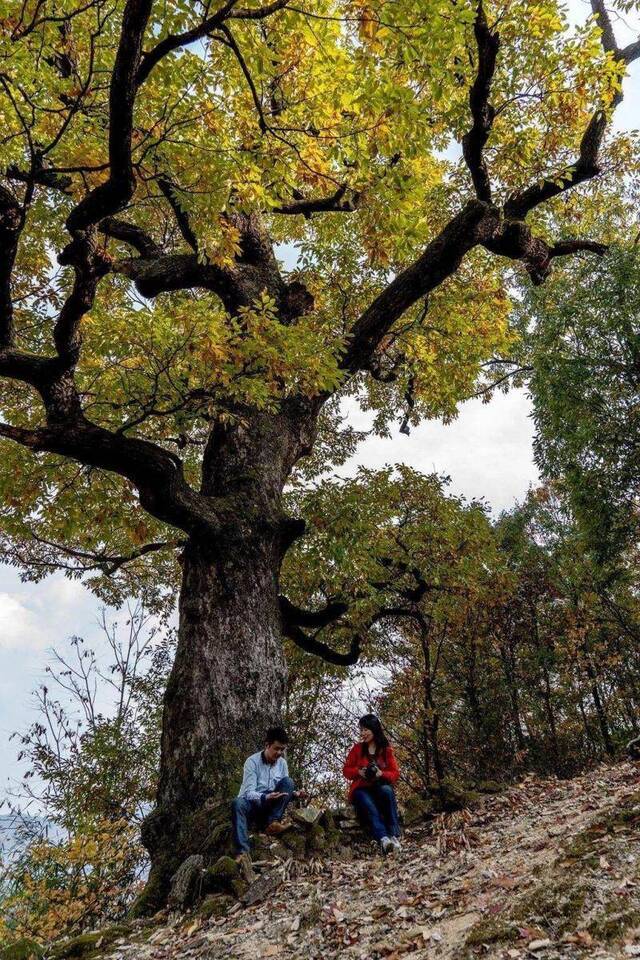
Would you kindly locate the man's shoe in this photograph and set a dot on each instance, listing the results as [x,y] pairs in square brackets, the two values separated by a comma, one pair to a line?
[397,846]
[276,827]
[386,846]
[246,867]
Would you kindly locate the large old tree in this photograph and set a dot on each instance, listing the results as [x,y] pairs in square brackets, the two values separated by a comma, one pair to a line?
[217,220]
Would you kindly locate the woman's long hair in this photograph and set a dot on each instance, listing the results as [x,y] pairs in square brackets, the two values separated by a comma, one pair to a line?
[371,722]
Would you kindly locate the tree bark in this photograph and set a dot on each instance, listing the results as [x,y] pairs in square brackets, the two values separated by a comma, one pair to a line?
[228,681]
[603,721]
[507,657]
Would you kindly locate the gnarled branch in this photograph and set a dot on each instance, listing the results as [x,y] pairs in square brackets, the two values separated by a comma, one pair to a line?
[132,235]
[322,650]
[441,258]
[112,195]
[335,202]
[482,110]
[295,616]
[585,168]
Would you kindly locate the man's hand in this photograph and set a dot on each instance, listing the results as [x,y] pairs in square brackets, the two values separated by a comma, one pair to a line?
[272,797]
[301,794]
[363,772]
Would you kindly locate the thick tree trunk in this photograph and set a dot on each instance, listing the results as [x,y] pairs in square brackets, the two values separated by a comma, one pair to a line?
[228,681]
[226,687]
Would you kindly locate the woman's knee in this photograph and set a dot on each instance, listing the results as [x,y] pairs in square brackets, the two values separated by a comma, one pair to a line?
[360,798]
[386,789]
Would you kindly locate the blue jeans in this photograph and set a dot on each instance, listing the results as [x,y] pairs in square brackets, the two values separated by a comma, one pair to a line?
[258,813]
[376,806]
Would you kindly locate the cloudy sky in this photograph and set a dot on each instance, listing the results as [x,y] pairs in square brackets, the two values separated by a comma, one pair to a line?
[486,452]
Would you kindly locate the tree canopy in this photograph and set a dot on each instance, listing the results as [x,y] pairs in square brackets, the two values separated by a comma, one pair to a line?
[581,337]
[208,211]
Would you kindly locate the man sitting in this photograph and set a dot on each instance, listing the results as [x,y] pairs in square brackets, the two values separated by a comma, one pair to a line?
[266,791]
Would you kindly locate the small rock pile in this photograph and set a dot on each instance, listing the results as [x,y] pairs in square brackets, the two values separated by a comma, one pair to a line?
[313,832]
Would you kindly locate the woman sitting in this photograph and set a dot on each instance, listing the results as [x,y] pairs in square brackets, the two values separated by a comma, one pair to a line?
[372,769]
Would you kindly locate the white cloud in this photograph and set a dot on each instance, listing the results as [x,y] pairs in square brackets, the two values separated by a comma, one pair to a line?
[46,614]
[20,626]
[487,450]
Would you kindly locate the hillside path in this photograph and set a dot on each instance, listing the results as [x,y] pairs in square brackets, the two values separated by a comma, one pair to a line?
[436,897]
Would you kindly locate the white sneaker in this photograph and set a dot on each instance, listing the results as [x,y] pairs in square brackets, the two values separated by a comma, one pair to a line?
[395,842]
[387,846]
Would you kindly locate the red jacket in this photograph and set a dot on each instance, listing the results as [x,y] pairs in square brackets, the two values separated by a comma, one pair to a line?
[356,759]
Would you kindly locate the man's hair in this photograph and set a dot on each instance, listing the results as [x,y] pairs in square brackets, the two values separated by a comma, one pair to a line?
[276,733]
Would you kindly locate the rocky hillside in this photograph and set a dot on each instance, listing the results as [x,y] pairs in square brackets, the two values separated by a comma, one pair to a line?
[546,869]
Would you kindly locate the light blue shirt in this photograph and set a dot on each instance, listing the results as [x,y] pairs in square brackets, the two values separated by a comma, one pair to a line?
[260,777]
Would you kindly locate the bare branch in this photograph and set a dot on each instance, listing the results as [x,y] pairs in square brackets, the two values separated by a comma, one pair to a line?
[319,649]
[27,438]
[170,190]
[182,271]
[515,240]
[11,223]
[43,176]
[231,43]
[258,13]
[604,22]
[335,203]
[89,266]
[482,111]
[441,258]
[108,563]
[295,616]
[565,248]
[176,40]
[585,167]
[631,52]
[156,473]
[626,54]
[131,234]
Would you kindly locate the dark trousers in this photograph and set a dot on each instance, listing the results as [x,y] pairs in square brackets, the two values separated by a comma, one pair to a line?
[246,813]
[377,809]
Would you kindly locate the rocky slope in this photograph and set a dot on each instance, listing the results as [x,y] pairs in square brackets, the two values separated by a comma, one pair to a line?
[546,869]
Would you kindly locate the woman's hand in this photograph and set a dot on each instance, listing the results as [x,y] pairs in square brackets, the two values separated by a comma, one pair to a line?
[362,771]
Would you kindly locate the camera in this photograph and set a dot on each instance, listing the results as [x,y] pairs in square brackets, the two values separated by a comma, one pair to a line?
[371,771]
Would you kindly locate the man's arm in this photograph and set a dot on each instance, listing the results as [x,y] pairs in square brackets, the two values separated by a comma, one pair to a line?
[249,788]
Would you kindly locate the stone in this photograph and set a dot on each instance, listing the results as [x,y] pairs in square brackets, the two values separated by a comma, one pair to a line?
[294,842]
[214,906]
[86,944]
[344,813]
[307,816]
[222,876]
[260,890]
[317,838]
[186,882]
